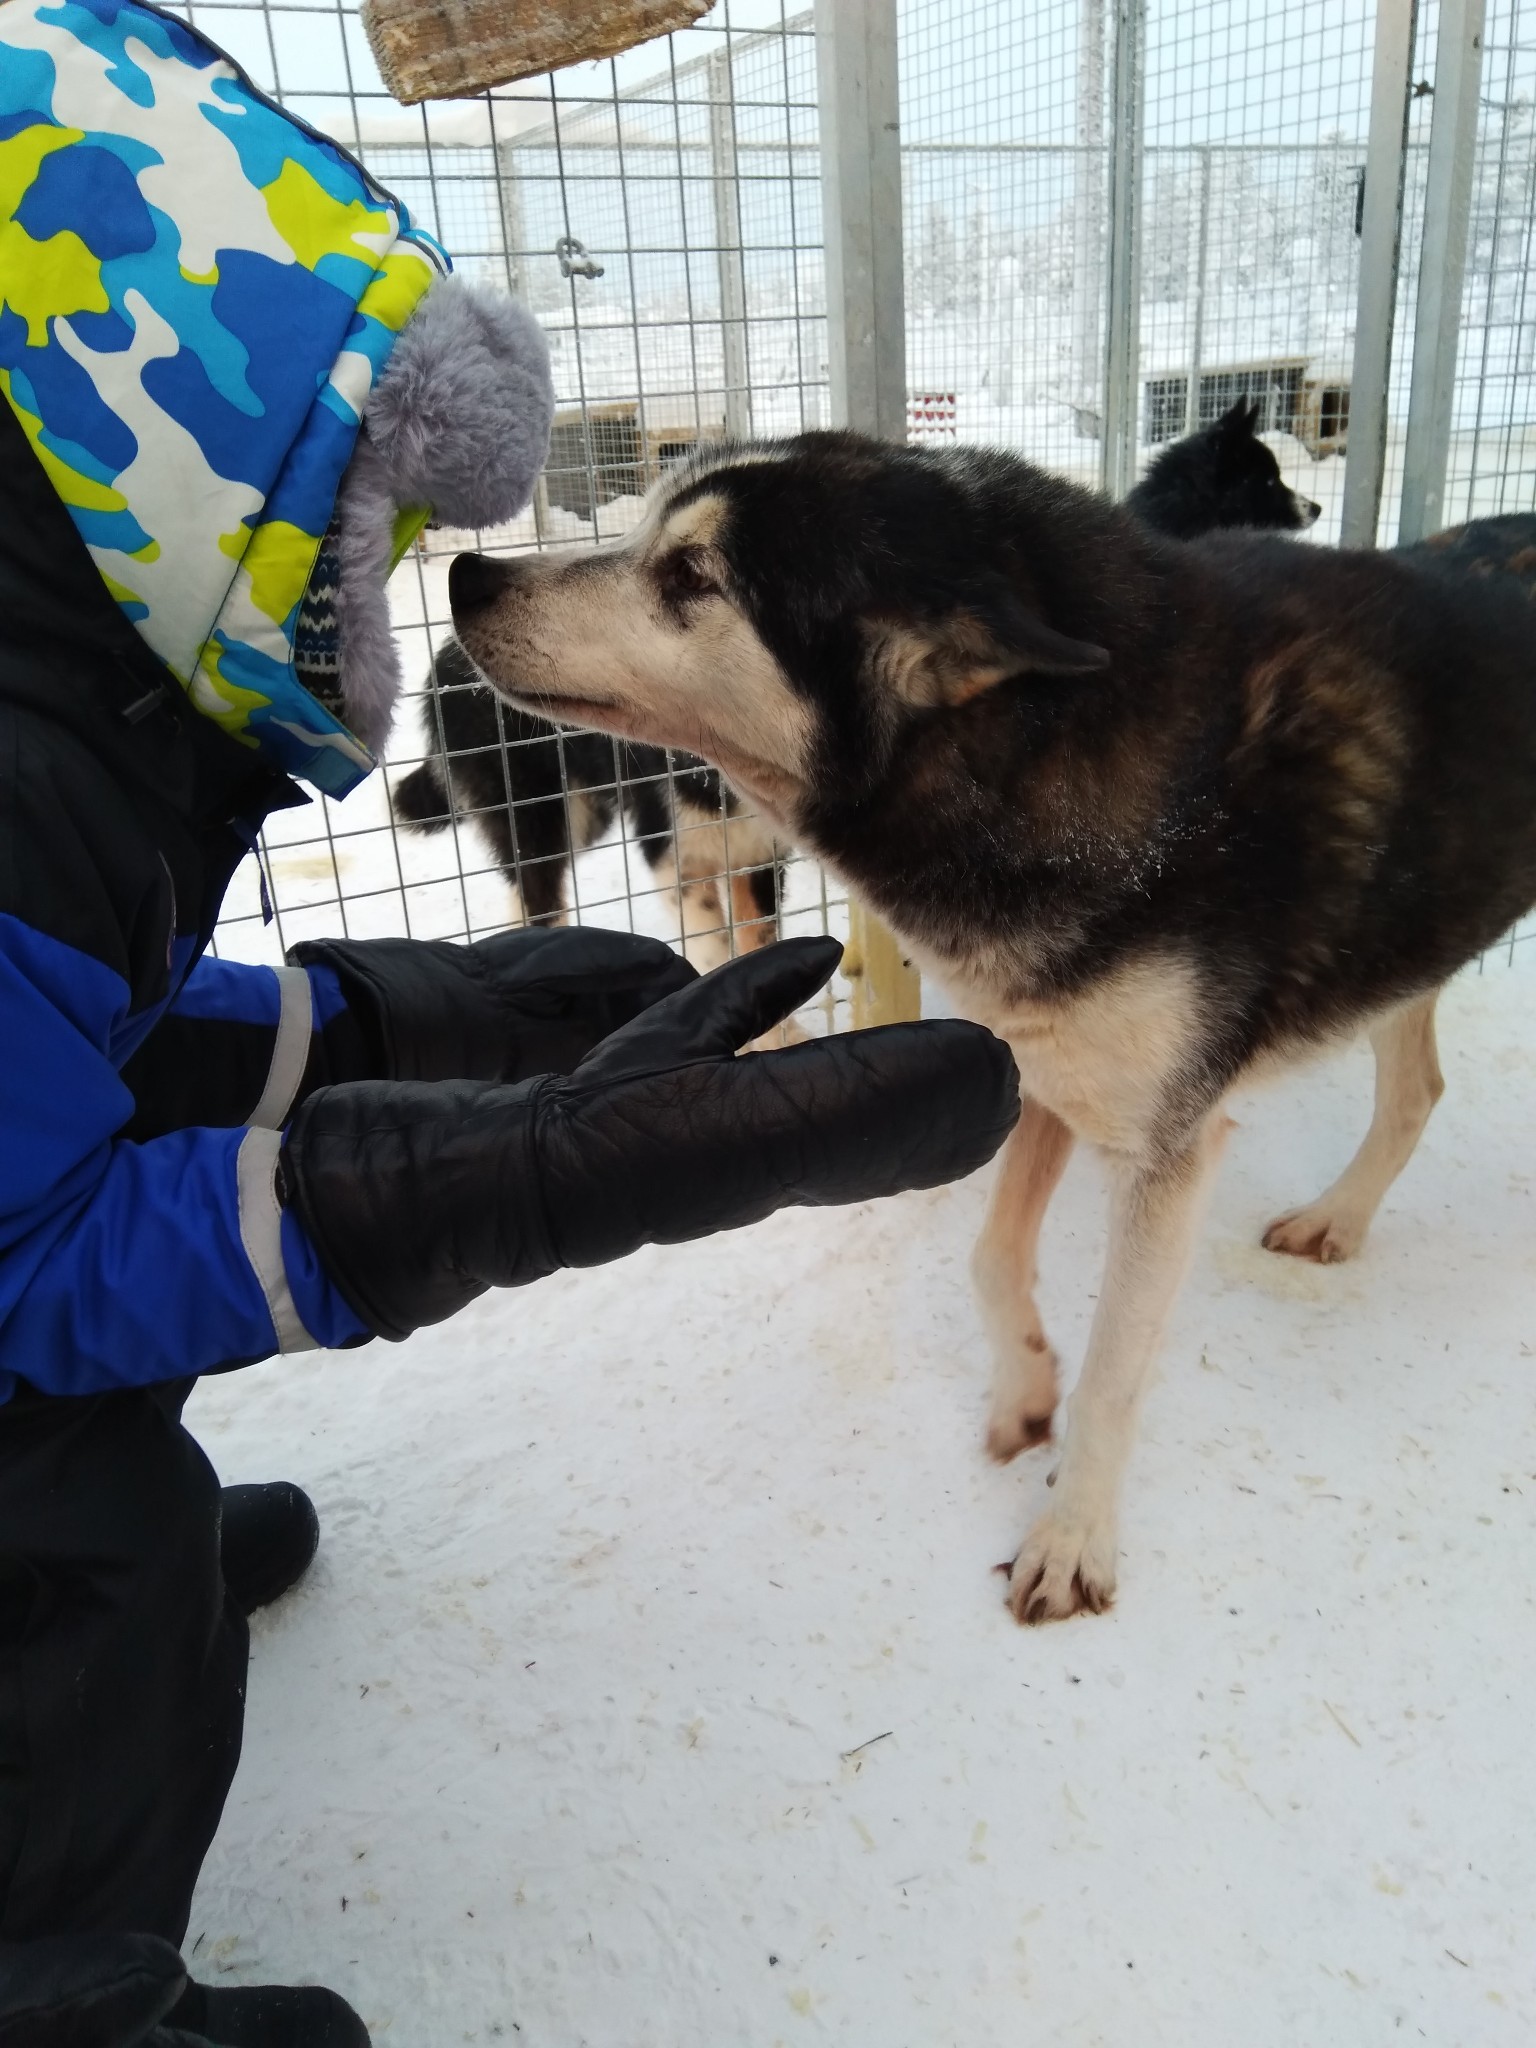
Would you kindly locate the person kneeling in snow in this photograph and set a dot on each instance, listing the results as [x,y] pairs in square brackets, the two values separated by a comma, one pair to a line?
[234,377]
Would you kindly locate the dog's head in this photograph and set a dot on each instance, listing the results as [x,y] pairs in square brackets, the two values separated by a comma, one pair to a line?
[1224,476]
[794,611]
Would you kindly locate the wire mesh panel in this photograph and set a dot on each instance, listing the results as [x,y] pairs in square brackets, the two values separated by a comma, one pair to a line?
[1253,151]
[660,213]
[1493,424]
[1004,138]
[1256,118]
[1491,466]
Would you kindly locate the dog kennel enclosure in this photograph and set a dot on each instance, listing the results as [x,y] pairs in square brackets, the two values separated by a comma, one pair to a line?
[1076,229]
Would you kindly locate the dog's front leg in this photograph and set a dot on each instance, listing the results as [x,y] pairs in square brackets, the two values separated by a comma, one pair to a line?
[1068,1559]
[1004,1271]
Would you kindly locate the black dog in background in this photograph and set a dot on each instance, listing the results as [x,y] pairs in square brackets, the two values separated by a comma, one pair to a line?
[541,794]
[1223,476]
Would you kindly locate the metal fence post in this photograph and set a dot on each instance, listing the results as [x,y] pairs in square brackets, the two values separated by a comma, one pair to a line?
[1088,212]
[1442,267]
[1381,227]
[514,242]
[1202,264]
[509,199]
[1122,349]
[861,215]
[733,279]
[866,336]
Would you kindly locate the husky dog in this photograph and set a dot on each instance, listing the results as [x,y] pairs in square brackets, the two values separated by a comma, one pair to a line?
[1165,815]
[513,775]
[540,794]
[1222,476]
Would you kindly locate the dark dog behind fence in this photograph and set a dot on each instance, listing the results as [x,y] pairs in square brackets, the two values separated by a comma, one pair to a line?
[542,793]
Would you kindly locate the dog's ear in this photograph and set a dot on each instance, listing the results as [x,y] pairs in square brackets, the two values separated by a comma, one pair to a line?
[973,648]
[1238,421]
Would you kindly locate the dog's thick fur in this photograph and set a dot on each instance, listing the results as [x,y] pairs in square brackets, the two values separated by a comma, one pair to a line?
[1223,476]
[1164,815]
[693,830]
[1501,549]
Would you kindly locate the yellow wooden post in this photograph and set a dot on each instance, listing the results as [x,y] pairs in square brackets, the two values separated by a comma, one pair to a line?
[887,988]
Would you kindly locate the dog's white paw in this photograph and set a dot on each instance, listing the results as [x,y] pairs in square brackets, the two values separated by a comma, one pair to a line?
[1066,1567]
[1022,1408]
[1321,1231]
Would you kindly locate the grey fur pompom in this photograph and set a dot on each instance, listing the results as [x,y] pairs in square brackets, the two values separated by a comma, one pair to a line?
[462,413]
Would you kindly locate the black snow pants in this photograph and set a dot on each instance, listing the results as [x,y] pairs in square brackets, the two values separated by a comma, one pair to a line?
[122,1664]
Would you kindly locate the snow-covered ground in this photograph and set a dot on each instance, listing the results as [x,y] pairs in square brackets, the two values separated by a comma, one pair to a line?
[653,1688]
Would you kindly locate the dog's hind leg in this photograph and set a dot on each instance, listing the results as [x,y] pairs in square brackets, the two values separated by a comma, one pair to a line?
[754,920]
[1408,1085]
[754,896]
[1003,1268]
[1068,1559]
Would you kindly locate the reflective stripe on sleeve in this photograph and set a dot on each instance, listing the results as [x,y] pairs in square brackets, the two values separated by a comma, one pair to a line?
[290,1050]
[261,1232]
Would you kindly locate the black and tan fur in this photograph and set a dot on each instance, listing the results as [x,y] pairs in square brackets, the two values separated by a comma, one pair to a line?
[1164,815]
[1500,549]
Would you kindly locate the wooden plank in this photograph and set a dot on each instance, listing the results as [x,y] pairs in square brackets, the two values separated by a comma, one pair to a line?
[448,49]
[866,338]
[887,989]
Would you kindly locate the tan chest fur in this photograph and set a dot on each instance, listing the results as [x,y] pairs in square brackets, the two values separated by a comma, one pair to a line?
[1106,1060]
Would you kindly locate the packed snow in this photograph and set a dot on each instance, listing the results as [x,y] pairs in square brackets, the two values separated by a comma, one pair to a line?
[653,1687]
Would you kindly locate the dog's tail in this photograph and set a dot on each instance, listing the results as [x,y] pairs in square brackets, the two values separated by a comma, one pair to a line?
[421,801]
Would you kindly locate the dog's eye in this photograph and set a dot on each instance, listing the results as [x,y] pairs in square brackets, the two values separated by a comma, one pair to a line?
[685,574]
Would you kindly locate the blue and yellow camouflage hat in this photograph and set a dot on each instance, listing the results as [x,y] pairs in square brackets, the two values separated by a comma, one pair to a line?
[197,295]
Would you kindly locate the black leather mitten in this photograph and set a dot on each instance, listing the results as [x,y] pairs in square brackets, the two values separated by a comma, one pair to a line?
[521,1003]
[420,1196]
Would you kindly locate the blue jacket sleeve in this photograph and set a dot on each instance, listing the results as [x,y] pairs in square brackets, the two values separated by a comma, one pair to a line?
[240,1045]
[230,990]
[125,1263]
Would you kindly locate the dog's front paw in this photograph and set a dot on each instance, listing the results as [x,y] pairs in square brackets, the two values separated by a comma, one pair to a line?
[1320,1232]
[1066,1567]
